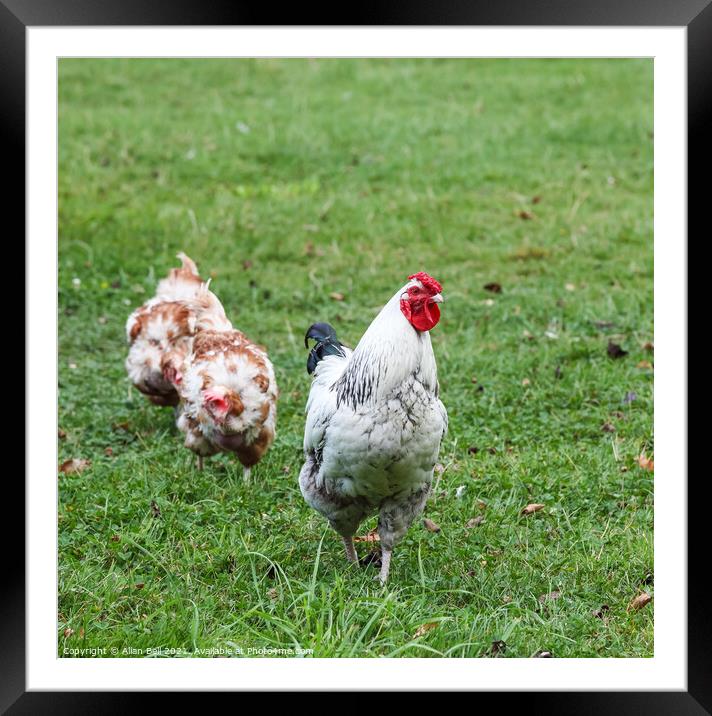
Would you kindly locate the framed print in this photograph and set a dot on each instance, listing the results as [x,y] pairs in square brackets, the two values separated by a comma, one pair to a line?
[367,343]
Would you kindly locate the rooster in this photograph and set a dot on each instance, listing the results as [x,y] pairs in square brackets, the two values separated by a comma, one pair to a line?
[160,333]
[374,420]
[228,398]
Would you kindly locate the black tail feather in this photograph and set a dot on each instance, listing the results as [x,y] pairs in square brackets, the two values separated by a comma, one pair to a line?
[327,344]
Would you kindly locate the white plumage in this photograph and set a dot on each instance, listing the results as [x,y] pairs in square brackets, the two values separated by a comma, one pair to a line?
[374,420]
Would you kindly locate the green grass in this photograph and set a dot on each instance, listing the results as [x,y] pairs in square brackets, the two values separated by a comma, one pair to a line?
[346,176]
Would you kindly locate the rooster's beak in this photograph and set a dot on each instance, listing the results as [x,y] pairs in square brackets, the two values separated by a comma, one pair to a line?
[437,298]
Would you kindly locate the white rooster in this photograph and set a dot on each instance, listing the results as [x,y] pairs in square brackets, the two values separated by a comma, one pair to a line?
[374,420]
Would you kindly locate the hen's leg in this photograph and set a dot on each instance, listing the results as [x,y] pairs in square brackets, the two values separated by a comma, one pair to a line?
[200,463]
[246,472]
[394,519]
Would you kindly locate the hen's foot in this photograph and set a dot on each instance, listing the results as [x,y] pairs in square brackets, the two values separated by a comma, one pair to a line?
[200,463]
[246,472]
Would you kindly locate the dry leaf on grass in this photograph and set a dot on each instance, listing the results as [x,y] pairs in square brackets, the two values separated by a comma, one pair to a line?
[493,287]
[531,509]
[337,296]
[74,466]
[474,522]
[608,428]
[543,655]
[550,597]
[155,509]
[140,585]
[61,434]
[498,647]
[646,463]
[603,324]
[526,215]
[371,536]
[615,351]
[599,613]
[639,602]
[68,632]
[645,364]
[425,628]
[430,525]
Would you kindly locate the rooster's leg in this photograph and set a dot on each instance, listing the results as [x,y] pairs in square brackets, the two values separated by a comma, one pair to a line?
[246,471]
[200,463]
[385,565]
[394,519]
[350,549]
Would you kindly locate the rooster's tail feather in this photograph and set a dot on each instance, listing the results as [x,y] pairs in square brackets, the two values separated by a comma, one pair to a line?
[327,344]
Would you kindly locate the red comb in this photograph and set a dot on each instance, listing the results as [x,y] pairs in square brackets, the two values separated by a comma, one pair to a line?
[428,282]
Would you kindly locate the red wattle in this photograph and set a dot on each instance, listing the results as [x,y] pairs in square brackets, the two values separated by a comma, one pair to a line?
[425,317]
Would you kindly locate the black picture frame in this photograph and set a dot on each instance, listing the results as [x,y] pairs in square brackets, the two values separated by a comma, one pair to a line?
[695,15]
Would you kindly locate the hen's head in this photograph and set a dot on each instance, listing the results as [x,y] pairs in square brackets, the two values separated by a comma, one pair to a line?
[222,404]
[419,301]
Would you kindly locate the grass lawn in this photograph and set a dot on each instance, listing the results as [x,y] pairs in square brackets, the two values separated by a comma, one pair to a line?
[290,180]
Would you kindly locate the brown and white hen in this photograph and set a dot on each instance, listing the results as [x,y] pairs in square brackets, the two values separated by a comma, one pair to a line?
[228,398]
[160,333]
